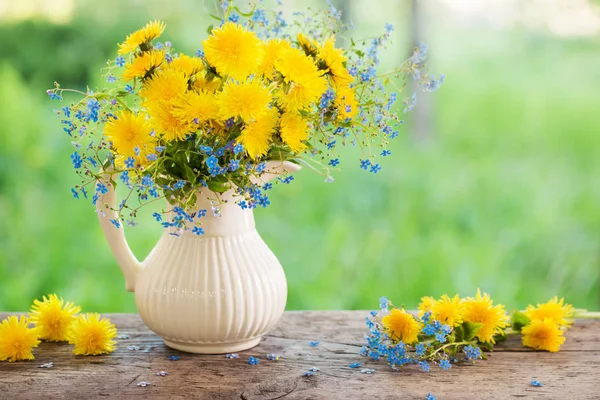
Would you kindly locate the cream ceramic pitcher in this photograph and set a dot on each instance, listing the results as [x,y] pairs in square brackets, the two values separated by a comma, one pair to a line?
[214,293]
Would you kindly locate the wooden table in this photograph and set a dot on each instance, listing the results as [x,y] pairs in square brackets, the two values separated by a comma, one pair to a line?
[573,373]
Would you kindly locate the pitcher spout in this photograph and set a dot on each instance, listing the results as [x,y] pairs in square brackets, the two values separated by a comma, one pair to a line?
[115,236]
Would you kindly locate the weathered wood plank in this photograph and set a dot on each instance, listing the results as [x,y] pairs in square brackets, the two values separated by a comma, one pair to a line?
[573,373]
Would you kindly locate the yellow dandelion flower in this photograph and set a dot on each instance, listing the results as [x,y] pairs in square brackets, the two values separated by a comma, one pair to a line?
[426,304]
[402,325]
[448,310]
[164,86]
[294,131]
[306,81]
[92,335]
[17,339]
[203,84]
[257,135]
[195,107]
[151,31]
[273,48]
[334,59]
[481,309]
[186,64]
[555,309]
[143,65]
[543,335]
[345,102]
[53,317]
[247,100]
[167,121]
[128,132]
[234,51]
[310,47]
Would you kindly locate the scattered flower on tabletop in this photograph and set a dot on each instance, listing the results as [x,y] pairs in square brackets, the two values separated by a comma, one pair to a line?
[429,397]
[445,364]
[493,319]
[402,326]
[308,373]
[143,384]
[123,337]
[92,335]
[272,357]
[314,343]
[383,303]
[426,305]
[472,352]
[162,373]
[543,335]
[47,365]
[314,369]
[53,317]
[133,348]
[446,331]
[354,365]
[174,358]
[17,339]
[554,310]
[536,383]
[543,327]
[253,360]
[232,355]
[367,371]
[448,310]
[260,89]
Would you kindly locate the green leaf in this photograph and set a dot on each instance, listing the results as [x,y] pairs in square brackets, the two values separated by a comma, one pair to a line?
[519,320]
[500,337]
[210,27]
[470,330]
[487,346]
[189,174]
[218,187]
[459,333]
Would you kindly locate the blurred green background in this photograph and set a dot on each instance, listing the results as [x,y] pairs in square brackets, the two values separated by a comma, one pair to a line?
[493,183]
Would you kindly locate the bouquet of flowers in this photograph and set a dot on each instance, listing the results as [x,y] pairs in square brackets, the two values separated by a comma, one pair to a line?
[451,330]
[259,90]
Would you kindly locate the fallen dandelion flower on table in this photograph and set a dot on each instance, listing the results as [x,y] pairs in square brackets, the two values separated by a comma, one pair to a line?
[17,340]
[92,335]
[53,317]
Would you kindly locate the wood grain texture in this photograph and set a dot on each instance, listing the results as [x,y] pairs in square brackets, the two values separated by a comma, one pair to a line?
[573,373]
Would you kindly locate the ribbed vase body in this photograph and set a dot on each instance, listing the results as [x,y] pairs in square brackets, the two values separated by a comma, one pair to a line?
[213,293]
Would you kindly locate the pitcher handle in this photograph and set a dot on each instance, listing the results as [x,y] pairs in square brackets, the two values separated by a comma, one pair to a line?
[130,266]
